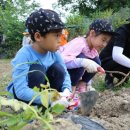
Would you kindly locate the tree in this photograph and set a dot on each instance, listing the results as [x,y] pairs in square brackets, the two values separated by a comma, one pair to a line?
[13,14]
[86,7]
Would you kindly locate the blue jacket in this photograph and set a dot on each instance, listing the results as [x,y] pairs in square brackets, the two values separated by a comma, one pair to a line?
[21,67]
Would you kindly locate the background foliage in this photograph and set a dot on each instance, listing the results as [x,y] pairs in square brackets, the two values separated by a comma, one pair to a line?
[83,12]
[12,19]
[86,7]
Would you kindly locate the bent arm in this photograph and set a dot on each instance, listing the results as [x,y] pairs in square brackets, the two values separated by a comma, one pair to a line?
[119,57]
[20,79]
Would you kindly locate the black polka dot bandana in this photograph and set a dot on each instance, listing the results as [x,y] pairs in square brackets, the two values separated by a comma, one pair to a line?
[102,25]
[43,21]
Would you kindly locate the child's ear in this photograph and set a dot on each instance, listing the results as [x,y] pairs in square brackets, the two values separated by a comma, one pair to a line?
[37,37]
[92,33]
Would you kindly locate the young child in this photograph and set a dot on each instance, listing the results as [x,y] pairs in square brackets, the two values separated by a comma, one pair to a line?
[81,54]
[45,28]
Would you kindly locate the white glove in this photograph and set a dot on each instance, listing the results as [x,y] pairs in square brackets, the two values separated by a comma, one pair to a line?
[62,101]
[65,93]
[89,65]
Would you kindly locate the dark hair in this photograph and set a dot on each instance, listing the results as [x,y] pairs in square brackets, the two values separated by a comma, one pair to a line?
[44,34]
[32,36]
[98,33]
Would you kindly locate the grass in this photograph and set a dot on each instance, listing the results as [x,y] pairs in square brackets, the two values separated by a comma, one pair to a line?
[5,60]
[99,85]
[5,73]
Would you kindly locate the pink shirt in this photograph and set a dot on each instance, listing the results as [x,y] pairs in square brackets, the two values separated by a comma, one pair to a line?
[72,49]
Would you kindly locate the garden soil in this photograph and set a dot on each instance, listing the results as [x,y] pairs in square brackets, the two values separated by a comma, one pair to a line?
[112,110]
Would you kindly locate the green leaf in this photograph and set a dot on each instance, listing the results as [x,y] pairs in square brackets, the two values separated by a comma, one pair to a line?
[36,89]
[54,95]
[49,116]
[45,98]
[28,115]
[15,104]
[2,114]
[7,93]
[10,121]
[19,126]
[58,108]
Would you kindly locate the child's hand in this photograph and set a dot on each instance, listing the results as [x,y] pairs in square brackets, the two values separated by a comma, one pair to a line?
[101,70]
[65,93]
[90,65]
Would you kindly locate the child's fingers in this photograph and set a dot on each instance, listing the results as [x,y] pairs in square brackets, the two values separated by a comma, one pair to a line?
[101,70]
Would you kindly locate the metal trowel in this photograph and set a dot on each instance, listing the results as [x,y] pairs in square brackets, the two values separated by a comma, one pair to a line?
[87,101]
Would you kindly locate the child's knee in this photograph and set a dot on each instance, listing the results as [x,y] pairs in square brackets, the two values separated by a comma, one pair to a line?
[57,70]
[36,75]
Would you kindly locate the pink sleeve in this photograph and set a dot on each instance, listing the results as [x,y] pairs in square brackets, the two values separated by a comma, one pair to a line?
[72,49]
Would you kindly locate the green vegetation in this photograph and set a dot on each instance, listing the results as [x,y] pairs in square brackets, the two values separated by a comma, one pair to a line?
[24,113]
[13,14]
[99,85]
[87,7]
[12,24]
